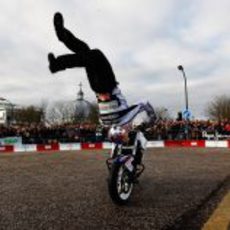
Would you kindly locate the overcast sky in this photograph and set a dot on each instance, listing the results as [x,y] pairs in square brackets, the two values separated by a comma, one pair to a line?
[145,41]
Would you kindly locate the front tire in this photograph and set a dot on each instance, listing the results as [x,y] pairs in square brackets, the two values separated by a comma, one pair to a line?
[120,184]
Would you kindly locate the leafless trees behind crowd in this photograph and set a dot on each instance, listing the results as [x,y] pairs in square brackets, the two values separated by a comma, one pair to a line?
[219,108]
[64,112]
[58,112]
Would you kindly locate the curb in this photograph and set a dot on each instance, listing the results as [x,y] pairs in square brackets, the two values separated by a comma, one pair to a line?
[107,145]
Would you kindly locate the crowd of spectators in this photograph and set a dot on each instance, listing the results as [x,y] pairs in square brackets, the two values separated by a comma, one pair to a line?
[66,133]
[194,130]
[163,130]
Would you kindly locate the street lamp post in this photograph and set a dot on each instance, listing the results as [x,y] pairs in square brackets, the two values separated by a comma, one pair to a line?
[180,67]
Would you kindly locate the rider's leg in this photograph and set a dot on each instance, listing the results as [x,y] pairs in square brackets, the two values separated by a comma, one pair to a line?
[100,73]
[138,157]
[67,37]
[66,61]
[99,70]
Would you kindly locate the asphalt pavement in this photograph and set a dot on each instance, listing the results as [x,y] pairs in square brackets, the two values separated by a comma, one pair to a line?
[180,189]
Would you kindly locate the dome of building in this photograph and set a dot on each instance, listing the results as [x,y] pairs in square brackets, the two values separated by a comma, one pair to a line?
[82,107]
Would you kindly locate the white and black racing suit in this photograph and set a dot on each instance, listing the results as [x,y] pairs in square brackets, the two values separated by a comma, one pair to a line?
[114,110]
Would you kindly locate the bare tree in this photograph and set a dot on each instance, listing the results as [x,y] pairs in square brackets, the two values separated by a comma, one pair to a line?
[31,114]
[219,108]
[60,112]
[93,114]
[43,107]
[162,113]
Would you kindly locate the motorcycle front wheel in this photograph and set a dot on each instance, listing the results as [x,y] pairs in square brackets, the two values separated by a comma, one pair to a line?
[120,184]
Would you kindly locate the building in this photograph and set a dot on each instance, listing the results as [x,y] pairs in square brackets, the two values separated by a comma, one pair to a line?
[82,106]
[6,111]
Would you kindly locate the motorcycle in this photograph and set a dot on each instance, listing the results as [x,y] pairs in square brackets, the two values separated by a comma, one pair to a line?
[124,164]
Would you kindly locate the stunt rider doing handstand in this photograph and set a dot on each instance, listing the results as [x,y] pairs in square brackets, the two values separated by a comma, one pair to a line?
[113,107]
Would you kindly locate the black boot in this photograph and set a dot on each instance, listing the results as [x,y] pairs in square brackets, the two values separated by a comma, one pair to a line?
[52,63]
[58,21]
[59,26]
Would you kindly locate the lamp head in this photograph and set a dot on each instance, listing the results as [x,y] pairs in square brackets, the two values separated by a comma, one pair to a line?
[180,67]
